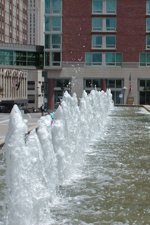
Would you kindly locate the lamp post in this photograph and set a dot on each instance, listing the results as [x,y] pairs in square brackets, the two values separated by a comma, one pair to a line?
[123,92]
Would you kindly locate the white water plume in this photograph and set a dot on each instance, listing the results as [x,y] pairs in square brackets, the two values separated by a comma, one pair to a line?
[38,163]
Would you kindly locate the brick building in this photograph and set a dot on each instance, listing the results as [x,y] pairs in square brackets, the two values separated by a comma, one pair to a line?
[13,21]
[89,42]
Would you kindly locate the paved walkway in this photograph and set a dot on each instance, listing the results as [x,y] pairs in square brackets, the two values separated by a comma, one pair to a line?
[147,107]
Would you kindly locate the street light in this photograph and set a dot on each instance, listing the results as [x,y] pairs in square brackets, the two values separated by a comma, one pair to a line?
[123,91]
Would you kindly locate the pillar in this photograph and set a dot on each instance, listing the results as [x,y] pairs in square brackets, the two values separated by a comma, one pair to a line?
[50,94]
[103,85]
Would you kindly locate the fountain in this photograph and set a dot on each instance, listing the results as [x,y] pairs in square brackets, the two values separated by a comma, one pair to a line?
[42,162]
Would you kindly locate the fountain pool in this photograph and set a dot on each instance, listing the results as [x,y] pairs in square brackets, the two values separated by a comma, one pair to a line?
[108,182]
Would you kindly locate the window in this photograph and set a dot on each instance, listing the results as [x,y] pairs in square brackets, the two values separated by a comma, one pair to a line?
[47,6]
[31,98]
[103,41]
[52,6]
[52,59]
[56,41]
[148,24]
[96,24]
[110,24]
[144,59]
[56,23]
[55,58]
[92,83]
[52,41]
[97,6]
[47,59]
[110,41]
[96,41]
[93,58]
[47,40]
[148,41]
[147,7]
[113,59]
[47,24]
[110,6]
[52,23]
[31,85]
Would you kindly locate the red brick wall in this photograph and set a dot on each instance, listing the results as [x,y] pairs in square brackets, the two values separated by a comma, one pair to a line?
[77,25]
[131,28]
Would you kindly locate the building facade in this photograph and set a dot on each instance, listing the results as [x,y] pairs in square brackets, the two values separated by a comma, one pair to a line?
[13,21]
[86,43]
[35,22]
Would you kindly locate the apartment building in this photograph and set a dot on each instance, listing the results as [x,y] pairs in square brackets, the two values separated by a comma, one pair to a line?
[88,42]
[13,21]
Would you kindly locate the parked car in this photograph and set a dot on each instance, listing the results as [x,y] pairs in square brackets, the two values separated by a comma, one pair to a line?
[4,109]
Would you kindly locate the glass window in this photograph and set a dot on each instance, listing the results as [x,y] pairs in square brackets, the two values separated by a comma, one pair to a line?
[92,83]
[148,41]
[111,83]
[47,41]
[47,24]
[110,58]
[142,83]
[110,6]
[31,59]
[147,7]
[118,59]
[56,41]
[88,83]
[148,59]
[118,83]
[148,24]
[88,59]
[47,58]
[56,23]
[96,83]
[31,85]
[56,59]
[111,24]
[142,59]
[142,97]
[56,6]
[97,58]
[110,41]
[6,57]
[31,98]
[96,24]
[148,83]
[113,59]
[93,58]
[96,41]
[47,6]
[97,6]
[52,6]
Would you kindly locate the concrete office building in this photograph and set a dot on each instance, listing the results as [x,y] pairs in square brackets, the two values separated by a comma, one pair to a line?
[89,41]
[36,22]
